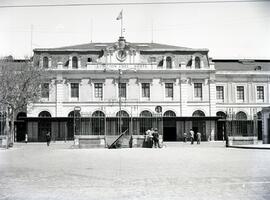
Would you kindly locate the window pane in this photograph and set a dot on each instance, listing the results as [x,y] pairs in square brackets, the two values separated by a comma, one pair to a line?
[74,90]
[98,90]
[122,90]
[145,90]
[220,92]
[198,90]
[45,90]
[240,92]
[169,89]
[260,92]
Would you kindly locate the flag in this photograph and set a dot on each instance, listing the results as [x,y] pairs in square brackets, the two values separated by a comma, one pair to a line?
[120,16]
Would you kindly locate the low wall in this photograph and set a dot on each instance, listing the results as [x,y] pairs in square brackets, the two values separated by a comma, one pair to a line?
[241,140]
[96,141]
[89,141]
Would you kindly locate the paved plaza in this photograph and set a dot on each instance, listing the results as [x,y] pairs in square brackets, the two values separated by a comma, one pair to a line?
[178,171]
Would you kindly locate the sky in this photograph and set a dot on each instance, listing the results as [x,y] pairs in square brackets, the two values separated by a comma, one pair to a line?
[228,30]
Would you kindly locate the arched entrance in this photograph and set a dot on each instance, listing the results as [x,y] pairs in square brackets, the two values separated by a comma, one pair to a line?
[20,125]
[124,121]
[221,125]
[73,119]
[44,125]
[169,126]
[198,124]
[98,123]
[259,124]
[145,121]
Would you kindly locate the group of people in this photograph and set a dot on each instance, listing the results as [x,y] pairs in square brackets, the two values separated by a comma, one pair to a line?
[151,138]
[192,136]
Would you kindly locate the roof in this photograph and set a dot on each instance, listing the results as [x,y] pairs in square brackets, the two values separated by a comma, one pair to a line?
[241,65]
[139,46]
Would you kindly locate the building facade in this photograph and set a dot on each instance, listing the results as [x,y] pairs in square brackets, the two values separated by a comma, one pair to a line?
[146,85]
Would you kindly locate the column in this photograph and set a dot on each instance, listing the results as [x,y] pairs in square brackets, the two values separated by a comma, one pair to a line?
[193,62]
[184,84]
[59,96]
[212,97]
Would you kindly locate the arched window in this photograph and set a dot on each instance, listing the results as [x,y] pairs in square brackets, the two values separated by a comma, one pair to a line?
[146,113]
[98,123]
[45,62]
[221,114]
[197,63]
[123,113]
[168,62]
[74,62]
[169,113]
[44,114]
[21,115]
[241,116]
[98,113]
[71,114]
[198,113]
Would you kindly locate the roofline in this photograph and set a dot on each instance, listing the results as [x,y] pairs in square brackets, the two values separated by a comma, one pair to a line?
[97,50]
[241,60]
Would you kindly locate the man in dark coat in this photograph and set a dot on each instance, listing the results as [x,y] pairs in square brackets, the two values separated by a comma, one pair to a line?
[48,138]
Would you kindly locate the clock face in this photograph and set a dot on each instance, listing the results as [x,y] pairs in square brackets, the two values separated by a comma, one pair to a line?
[121,55]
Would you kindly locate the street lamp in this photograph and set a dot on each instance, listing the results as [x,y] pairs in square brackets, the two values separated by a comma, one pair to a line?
[77,109]
[119,96]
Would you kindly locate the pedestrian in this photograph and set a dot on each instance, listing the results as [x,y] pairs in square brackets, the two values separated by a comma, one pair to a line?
[191,132]
[26,138]
[156,138]
[185,137]
[199,135]
[48,138]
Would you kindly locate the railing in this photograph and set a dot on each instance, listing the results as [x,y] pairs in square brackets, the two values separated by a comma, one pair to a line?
[126,66]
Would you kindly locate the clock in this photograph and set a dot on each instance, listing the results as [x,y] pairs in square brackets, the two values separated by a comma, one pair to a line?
[121,55]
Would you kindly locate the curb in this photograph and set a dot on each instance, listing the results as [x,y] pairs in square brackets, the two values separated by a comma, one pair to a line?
[246,147]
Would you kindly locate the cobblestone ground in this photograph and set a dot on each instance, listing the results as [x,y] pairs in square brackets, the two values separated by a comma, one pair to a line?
[179,171]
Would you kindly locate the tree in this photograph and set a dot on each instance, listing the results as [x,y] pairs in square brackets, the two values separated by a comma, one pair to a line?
[19,87]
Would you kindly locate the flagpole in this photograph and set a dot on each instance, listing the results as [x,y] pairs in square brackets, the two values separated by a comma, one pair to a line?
[122,24]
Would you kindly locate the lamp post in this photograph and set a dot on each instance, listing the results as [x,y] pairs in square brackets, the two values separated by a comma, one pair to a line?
[120,103]
[76,109]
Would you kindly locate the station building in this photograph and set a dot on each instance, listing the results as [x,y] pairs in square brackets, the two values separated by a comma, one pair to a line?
[103,89]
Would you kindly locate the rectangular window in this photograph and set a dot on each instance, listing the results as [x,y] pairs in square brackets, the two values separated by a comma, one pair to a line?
[260,93]
[240,93]
[198,90]
[45,90]
[169,90]
[123,90]
[220,92]
[98,90]
[146,90]
[74,90]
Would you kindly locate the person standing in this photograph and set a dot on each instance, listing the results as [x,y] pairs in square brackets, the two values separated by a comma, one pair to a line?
[199,136]
[191,132]
[48,138]
[156,138]
[185,137]
[26,138]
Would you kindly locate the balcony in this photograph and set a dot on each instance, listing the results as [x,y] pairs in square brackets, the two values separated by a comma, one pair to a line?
[126,66]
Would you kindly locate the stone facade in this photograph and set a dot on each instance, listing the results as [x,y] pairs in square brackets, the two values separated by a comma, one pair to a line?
[181,80]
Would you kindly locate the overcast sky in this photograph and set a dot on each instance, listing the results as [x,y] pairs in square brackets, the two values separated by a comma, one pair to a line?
[228,30]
